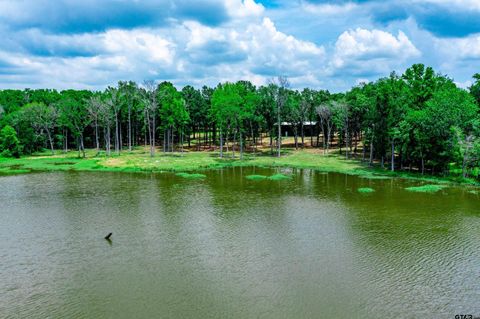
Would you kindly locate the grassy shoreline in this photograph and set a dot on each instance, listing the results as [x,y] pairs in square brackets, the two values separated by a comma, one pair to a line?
[139,160]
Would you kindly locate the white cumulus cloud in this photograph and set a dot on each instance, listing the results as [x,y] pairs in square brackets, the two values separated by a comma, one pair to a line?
[372,51]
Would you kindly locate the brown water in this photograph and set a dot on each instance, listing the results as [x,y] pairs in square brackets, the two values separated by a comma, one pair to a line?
[228,247]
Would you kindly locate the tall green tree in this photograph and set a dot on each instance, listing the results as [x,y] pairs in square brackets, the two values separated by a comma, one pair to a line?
[75,116]
[196,108]
[128,91]
[475,88]
[266,110]
[225,107]
[94,108]
[173,114]
[434,126]
[150,103]
[43,119]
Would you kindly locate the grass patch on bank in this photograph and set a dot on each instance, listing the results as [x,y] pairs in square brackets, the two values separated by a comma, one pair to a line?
[191,175]
[430,188]
[139,160]
[366,190]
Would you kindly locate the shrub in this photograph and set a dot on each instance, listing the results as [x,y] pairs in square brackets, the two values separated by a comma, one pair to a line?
[9,143]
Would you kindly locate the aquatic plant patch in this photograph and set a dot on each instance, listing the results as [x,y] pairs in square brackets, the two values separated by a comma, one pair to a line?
[430,188]
[191,175]
[275,177]
[365,190]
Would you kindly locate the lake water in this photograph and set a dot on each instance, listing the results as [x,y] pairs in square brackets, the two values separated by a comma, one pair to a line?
[229,247]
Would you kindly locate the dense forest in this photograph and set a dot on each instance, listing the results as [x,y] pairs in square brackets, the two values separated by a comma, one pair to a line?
[419,120]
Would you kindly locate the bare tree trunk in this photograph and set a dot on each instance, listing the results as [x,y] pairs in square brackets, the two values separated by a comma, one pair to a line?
[241,144]
[346,138]
[82,146]
[198,140]
[120,139]
[311,134]
[393,156]
[169,132]
[146,123]
[106,133]
[279,141]
[295,135]
[152,145]
[226,140]
[65,141]
[181,141]
[324,138]
[205,137]
[105,140]
[164,140]
[363,151]
[234,141]
[129,127]
[134,134]
[149,126]
[117,134]
[465,160]
[346,144]
[271,141]
[109,148]
[254,140]
[339,144]
[329,133]
[78,145]
[401,160]
[97,141]
[371,150]
[303,136]
[356,143]
[50,141]
[221,144]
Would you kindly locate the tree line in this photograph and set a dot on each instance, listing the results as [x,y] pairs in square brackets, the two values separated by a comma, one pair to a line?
[419,120]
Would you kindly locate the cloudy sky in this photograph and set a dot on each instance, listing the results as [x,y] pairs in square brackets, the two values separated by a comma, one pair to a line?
[316,43]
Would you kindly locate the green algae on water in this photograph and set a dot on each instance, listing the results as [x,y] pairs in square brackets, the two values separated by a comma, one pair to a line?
[279,177]
[191,175]
[430,188]
[365,190]
[375,177]
[275,177]
[256,177]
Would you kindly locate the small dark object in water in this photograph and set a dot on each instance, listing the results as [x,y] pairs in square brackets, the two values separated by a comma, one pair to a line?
[108,236]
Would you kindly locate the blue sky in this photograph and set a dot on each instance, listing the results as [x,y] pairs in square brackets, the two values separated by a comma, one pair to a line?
[316,43]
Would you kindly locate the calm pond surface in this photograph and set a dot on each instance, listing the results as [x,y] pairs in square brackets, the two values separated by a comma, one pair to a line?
[229,247]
